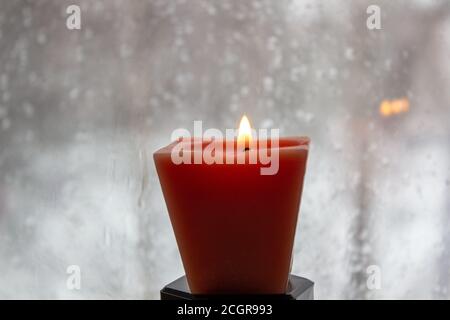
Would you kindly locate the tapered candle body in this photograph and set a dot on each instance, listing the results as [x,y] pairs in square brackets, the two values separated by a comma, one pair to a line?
[234,227]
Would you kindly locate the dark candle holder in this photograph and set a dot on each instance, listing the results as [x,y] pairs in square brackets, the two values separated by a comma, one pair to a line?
[298,289]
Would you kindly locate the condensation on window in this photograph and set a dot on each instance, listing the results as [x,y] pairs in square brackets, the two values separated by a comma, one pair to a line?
[82,111]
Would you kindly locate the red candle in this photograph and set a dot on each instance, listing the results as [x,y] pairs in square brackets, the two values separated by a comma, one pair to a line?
[234,227]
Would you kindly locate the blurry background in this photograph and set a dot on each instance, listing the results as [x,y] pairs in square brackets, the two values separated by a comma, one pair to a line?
[82,111]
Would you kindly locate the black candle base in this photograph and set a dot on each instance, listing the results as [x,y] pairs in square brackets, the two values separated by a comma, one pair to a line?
[298,289]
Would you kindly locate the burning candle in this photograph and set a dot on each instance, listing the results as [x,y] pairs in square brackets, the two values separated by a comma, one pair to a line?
[234,226]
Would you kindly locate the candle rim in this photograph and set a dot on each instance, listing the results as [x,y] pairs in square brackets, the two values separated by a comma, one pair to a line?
[300,143]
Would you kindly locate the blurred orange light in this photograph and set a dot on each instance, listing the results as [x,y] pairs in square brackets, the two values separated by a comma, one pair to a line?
[393,107]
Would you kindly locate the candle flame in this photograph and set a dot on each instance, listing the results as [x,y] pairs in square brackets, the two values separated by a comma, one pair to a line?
[245,131]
